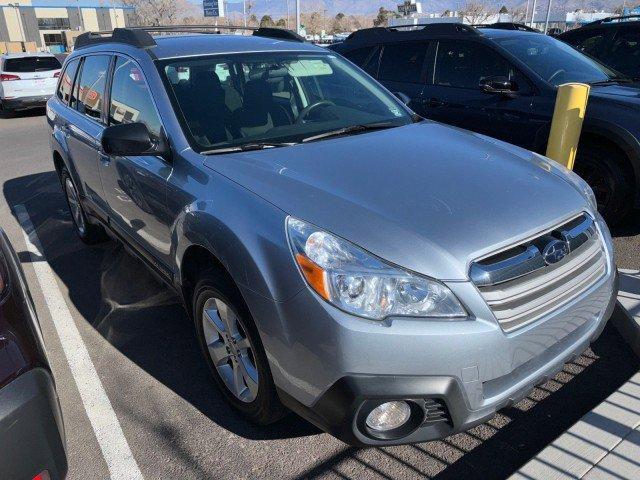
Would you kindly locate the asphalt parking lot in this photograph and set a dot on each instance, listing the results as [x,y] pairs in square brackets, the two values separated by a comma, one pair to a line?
[175,422]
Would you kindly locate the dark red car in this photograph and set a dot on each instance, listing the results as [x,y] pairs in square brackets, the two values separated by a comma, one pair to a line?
[32,442]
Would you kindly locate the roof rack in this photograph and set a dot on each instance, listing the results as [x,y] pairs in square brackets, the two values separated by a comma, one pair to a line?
[509,26]
[613,19]
[443,28]
[141,36]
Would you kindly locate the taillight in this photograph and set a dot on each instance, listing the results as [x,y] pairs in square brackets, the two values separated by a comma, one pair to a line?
[57,74]
[7,77]
[43,475]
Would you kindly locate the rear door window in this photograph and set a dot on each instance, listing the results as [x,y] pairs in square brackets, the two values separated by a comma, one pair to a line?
[66,81]
[403,62]
[31,64]
[93,79]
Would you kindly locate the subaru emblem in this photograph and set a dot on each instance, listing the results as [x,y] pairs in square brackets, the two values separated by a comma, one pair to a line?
[555,251]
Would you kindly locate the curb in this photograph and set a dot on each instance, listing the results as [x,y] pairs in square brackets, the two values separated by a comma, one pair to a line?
[626,315]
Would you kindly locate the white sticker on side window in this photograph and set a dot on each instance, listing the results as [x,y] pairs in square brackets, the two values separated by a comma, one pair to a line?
[309,68]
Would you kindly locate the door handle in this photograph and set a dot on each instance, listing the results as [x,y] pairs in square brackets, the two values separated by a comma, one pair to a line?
[434,102]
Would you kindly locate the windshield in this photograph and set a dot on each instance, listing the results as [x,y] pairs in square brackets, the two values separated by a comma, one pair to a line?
[248,99]
[555,61]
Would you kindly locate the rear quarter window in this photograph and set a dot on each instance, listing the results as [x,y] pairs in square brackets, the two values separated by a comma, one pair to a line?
[31,64]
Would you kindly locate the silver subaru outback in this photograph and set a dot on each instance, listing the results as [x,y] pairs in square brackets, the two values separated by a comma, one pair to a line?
[390,279]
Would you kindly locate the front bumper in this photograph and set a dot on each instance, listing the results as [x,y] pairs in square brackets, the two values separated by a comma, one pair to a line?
[31,429]
[326,363]
[342,408]
[18,103]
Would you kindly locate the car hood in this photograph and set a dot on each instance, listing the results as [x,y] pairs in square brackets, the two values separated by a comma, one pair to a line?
[622,94]
[427,197]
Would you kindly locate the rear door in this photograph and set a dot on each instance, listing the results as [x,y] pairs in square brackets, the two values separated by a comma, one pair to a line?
[135,186]
[29,76]
[86,124]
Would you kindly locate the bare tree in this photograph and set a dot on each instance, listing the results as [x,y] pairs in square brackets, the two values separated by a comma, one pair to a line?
[474,13]
[160,12]
[518,14]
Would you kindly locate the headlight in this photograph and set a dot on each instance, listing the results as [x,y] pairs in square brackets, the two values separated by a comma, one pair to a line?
[573,178]
[362,284]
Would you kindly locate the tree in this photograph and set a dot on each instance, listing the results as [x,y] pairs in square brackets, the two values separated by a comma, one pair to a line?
[160,12]
[382,20]
[503,10]
[518,15]
[446,13]
[474,13]
[281,23]
[339,23]
[267,21]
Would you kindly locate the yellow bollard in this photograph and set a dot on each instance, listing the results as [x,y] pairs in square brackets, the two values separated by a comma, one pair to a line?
[571,104]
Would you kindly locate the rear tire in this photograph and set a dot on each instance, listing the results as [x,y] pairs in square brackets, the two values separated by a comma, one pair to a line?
[234,349]
[88,232]
[602,168]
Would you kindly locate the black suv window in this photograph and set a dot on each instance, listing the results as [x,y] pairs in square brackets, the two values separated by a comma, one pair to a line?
[93,79]
[66,82]
[591,42]
[465,64]
[403,62]
[130,97]
[366,58]
[625,52]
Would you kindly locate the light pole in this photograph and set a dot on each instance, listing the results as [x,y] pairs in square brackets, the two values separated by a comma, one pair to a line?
[546,23]
[526,13]
[80,15]
[297,16]
[533,13]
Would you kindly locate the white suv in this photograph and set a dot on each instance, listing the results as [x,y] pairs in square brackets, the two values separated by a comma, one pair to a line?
[27,79]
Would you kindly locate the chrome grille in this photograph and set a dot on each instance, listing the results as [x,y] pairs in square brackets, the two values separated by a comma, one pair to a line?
[522,283]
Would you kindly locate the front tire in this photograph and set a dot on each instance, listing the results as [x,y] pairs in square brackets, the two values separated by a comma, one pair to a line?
[233,351]
[89,233]
[602,168]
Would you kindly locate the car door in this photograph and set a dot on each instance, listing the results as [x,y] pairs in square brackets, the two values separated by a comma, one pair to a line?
[453,93]
[403,70]
[86,124]
[135,186]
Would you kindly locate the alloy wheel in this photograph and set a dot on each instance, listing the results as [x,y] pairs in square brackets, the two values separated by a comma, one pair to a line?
[230,349]
[75,207]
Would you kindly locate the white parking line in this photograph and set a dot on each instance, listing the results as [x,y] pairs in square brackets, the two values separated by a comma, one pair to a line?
[111,439]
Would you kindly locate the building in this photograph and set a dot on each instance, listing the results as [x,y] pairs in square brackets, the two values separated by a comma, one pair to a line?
[53,28]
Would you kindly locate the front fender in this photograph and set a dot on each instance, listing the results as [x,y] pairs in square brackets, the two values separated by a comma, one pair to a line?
[246,234]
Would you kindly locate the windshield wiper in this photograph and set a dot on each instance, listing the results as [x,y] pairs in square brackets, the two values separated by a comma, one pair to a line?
[612,80]
[248,147]
[349,130]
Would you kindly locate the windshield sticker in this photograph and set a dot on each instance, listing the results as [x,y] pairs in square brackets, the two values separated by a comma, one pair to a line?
[395,111]
[309,68]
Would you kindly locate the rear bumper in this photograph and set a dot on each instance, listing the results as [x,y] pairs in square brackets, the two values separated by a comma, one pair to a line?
[25,102]
[31,429]
[342,409]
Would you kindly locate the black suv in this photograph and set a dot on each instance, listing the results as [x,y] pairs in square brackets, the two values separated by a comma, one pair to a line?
[503,83]
[614,41]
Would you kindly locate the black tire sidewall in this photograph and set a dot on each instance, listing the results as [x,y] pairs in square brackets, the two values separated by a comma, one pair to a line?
[596,160]
[265,408]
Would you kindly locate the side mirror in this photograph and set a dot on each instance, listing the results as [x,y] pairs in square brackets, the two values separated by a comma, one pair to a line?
[498,84]
[131,139]
[404,98]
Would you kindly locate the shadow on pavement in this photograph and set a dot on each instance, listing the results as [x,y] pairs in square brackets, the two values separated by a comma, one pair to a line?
[146,322]
[31,112]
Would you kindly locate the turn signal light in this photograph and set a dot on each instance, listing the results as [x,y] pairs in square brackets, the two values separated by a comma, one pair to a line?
[7,77]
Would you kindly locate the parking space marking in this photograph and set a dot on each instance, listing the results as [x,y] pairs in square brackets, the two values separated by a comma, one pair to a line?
[115,449]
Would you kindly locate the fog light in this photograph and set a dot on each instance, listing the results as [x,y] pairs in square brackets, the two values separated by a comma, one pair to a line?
[389,416]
